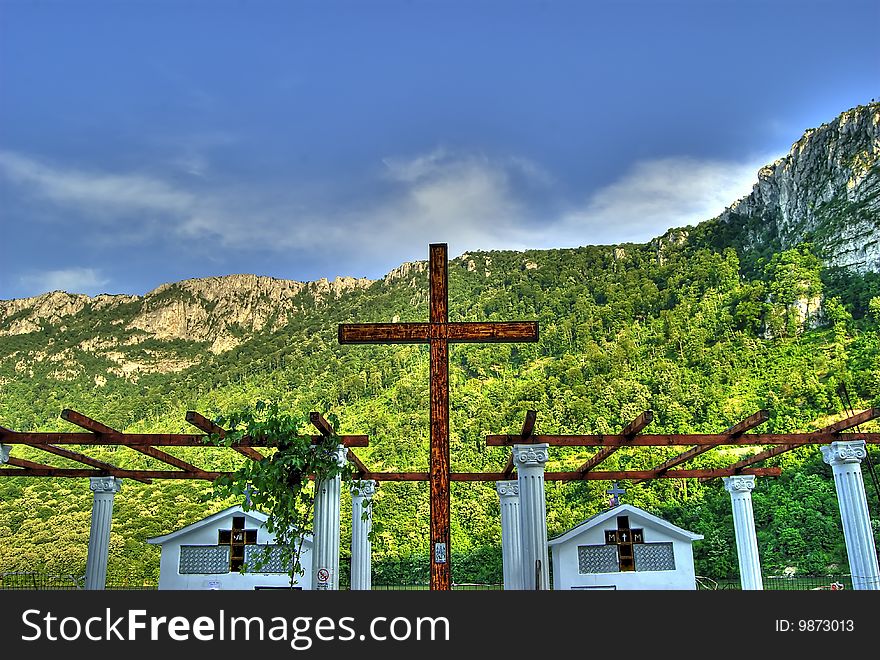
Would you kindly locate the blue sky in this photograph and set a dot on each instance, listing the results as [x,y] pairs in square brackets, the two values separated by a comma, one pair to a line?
[143,142]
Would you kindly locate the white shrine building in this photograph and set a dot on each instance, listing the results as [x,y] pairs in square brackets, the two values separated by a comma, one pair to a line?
[211,554]
[624,547]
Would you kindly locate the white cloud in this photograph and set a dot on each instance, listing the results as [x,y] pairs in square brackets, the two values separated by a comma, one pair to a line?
[72,280]
[656,195]
[95,191]
[469,200]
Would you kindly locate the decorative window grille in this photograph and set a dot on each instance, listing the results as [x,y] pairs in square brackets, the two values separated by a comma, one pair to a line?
[253,554]
[654,557]
[598,559]
[203,559]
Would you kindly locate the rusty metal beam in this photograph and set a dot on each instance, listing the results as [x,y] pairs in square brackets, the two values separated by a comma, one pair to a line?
[47,471]
[30,465]
[209,427]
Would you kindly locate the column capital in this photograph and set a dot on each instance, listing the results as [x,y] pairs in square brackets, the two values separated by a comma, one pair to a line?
[105,485]
[4,453]
[842,452]
[741,483]
[507,489]
[363,488]
[530,455]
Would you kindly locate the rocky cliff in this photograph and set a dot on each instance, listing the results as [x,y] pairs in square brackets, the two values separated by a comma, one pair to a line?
[826,191]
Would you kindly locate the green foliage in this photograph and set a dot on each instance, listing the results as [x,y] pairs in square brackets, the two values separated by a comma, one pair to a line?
[279,484]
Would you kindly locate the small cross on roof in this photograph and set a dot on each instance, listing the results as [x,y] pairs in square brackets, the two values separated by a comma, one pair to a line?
[614,492]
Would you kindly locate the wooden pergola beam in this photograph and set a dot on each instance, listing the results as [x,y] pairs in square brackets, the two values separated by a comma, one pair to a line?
[112,470]
[733,433]
[323,426]
[48,471]
[599,475]
[147,439]
[672,440]
[629,432]
[100,429]
[825,435]
[203,423]
[326,430]
[527,428]
[30,465]
[30,469]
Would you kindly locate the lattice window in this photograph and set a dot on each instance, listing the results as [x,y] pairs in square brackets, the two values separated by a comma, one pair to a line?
[203,559]
[255,553]
[654,557]
[598,559]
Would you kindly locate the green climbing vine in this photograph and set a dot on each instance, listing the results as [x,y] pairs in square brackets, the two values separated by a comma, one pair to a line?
[279,485]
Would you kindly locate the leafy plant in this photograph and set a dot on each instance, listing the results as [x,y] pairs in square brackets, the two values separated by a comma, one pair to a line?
[280,484]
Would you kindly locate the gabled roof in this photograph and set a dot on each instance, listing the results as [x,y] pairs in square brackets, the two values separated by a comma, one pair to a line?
[254,515]
[623,509]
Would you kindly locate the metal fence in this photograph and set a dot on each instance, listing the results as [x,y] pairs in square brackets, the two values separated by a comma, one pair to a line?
[409,575]
[36,581]
[783,583]
[40,581]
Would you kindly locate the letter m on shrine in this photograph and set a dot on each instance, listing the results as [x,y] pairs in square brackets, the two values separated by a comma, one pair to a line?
[438,333]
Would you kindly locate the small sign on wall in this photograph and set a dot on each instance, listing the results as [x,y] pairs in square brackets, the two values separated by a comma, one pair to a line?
[439,553]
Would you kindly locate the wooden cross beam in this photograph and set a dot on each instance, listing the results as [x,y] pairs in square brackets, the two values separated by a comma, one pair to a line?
[438,333]
[733,433]
[822,437]
[631,431]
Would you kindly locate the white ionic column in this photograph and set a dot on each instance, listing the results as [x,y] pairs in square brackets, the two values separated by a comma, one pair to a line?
[511,540]
[740,489]
[104,489]
[325,560]
[845,458]
[361,524]
[4,453]
[529,461]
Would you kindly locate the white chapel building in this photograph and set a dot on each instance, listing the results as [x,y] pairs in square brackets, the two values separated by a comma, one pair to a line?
[211,554]
[624,547]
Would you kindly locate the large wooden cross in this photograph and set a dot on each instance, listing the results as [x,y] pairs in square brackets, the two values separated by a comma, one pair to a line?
[438,332]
